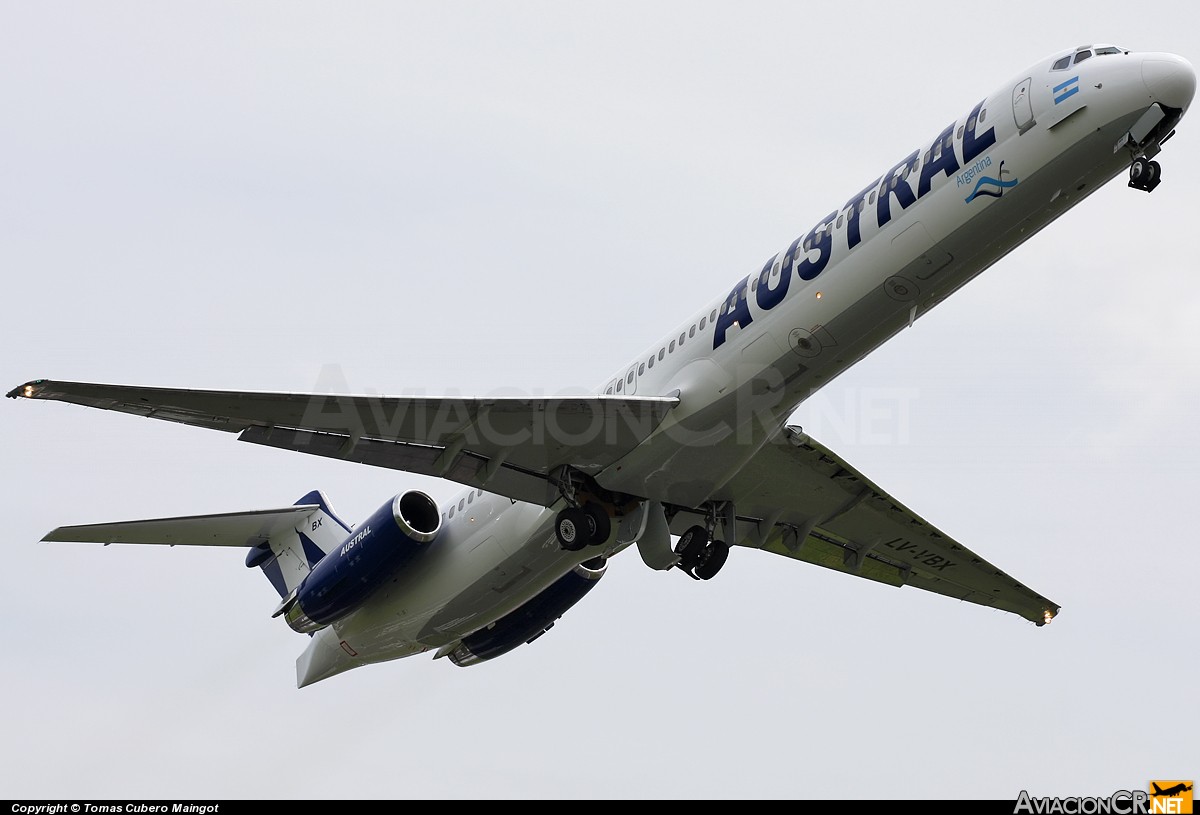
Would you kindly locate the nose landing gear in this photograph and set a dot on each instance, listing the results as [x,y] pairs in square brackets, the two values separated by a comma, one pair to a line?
[1144,174]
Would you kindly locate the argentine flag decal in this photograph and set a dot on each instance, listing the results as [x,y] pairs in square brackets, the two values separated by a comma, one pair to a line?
[1066,89]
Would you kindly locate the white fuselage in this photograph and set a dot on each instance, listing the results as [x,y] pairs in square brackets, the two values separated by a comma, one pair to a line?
[742,364]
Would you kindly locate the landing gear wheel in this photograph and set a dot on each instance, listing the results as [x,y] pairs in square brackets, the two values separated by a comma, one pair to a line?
[1144,174]
[714,557]
[691,547]
[599,524]
[1139,171]
[572,527]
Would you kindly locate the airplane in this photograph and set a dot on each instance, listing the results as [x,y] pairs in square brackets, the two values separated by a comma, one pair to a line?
[1170,791]
[686,451]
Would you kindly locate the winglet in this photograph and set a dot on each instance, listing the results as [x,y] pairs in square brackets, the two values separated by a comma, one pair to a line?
[29,390]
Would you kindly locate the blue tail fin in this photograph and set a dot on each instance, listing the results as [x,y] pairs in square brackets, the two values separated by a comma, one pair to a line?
[288,556]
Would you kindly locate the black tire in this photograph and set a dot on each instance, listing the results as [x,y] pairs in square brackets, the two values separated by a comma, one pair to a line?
[572,527]
[691,547]
[1139,172]
[715,555]
[599,524]
[1153,171]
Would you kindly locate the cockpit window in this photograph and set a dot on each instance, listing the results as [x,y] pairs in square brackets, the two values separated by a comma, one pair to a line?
[1061,63]
[1108,49]
[1080,56]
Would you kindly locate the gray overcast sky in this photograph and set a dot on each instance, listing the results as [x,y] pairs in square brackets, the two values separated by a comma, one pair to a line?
[468,197]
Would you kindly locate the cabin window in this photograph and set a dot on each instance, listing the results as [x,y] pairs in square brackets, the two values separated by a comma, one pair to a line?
[629,378]
[1081,56]
[982,115]
[641,369]
[1061,63]
[703,322]
[451,514]
[662,352]
[671,347]
[471,498]
[682,337]
[839,221]
[712,318]
[461,503]
[620,385]
[872,199]
[754,284]
[692,331]
[609,390]
[650,362]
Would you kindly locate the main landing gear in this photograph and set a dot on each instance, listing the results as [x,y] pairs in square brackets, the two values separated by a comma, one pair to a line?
[1144,174]
[587,520]
[577,527]
[699,555]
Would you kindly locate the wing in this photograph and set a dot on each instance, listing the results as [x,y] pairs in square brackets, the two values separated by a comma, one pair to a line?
[509,446]
[798,499]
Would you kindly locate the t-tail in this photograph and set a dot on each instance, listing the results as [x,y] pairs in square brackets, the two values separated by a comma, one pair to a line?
[291,544]
[288,555]
[322,568]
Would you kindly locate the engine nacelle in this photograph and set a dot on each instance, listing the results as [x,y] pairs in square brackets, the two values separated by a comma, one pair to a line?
[370,556]
[531,620]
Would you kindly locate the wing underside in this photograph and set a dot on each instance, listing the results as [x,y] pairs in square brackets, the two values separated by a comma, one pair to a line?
[508,446]
[798,499]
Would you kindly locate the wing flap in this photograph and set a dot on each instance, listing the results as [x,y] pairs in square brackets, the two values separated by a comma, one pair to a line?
[466,467]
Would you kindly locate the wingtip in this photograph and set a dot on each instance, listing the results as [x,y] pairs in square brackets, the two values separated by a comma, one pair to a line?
[27,391]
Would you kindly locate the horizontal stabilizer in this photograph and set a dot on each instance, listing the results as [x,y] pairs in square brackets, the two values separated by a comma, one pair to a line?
[228,529]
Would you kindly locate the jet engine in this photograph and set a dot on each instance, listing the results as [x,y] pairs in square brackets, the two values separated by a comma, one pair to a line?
[531,620]
[370,556]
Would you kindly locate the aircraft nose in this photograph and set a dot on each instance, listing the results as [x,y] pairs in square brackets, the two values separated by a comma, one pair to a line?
[1171,80]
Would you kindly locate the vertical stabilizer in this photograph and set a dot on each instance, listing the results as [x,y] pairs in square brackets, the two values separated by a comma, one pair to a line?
[289,555]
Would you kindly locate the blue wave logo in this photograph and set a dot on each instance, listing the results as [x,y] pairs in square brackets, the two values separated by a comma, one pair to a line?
[995,187]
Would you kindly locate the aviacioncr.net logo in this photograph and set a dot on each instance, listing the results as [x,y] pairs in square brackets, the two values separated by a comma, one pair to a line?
[1163,798]
[1121,802]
